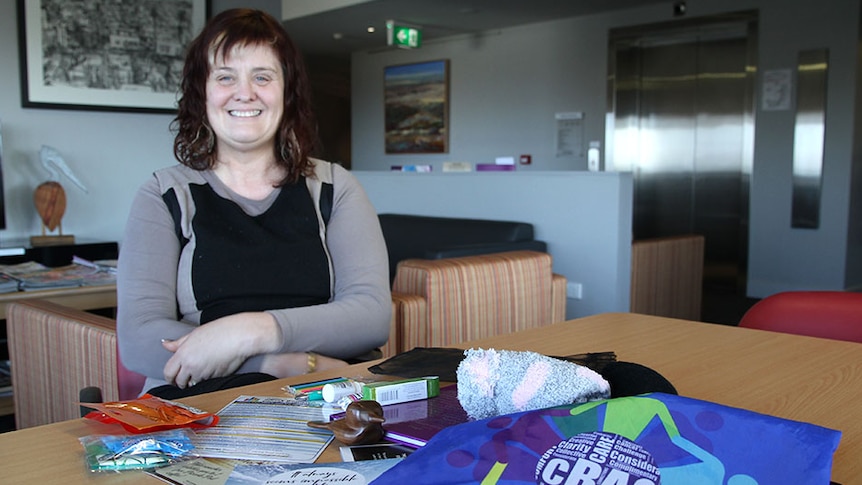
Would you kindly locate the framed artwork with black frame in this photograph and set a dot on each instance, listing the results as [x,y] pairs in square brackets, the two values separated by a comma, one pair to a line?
[105,55]
[416,99]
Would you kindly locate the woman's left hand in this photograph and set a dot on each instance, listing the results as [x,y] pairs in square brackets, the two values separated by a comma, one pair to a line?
[296,363]
[219,347]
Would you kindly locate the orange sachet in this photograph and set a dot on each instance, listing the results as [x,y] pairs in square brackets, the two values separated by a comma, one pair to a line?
[149,413]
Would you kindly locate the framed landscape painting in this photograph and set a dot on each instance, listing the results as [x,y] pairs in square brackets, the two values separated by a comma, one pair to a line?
[416,98]
[104,54]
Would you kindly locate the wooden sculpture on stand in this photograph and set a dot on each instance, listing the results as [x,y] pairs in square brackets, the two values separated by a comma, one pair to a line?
[50,199]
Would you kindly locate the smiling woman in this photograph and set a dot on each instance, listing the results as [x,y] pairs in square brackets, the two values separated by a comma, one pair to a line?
[245,103]
[250,260]
[212,61]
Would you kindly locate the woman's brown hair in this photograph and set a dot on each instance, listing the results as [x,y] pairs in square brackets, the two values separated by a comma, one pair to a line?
[194,143]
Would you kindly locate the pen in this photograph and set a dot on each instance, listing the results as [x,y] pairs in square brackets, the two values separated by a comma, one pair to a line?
[318,383]
[313,395]
[309,387]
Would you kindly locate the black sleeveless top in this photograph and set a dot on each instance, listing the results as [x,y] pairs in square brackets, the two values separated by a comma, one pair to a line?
[255,263]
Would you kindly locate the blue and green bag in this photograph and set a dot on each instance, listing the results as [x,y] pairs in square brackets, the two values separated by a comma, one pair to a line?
[642,440]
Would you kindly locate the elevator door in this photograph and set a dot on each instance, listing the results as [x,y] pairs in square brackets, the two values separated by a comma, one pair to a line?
[681,122]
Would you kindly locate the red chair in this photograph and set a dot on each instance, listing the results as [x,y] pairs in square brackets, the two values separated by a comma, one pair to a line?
[827,314]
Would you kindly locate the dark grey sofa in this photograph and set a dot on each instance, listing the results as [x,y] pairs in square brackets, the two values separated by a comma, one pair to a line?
[427,237]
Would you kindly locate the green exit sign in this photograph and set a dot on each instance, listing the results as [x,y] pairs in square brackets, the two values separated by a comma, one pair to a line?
[403,36]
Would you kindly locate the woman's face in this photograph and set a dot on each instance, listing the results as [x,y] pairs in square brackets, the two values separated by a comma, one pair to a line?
[245,98]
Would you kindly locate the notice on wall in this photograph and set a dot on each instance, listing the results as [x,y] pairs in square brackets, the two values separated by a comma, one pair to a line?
[570,134]
[777,84]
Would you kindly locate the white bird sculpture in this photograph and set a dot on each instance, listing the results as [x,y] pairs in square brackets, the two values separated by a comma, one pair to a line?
[49,197]
[52,161]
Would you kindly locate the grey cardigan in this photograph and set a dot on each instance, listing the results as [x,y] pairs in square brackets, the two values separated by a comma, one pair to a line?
[154,273]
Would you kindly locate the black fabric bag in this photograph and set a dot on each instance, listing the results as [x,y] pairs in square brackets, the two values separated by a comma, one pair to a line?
[170,391]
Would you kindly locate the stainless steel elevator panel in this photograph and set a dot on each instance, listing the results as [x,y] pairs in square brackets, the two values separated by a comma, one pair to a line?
[681,120]
[809,137]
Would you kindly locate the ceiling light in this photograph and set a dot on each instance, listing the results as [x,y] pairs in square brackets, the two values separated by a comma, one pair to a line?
[371,29]
[337,36]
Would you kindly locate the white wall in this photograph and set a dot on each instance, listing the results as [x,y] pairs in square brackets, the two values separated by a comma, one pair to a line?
[584,217]
[506,86]
[112,153]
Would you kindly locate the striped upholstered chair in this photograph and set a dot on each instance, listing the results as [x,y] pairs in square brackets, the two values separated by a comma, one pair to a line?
[667,276]
[56,351]
[445,301]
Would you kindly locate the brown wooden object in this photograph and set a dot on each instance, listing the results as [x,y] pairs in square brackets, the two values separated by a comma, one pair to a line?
[362,424]
[50,200]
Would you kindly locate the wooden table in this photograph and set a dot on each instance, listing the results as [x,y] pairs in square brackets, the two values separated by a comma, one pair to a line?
[800,378]
[80,297]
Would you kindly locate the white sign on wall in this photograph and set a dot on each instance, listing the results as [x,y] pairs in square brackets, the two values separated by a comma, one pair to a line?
[570,134]
[777,84]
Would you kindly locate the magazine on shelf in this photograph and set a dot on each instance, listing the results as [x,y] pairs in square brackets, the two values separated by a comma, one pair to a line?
[8,284]
[36,276]
[107,265]
[14,270]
